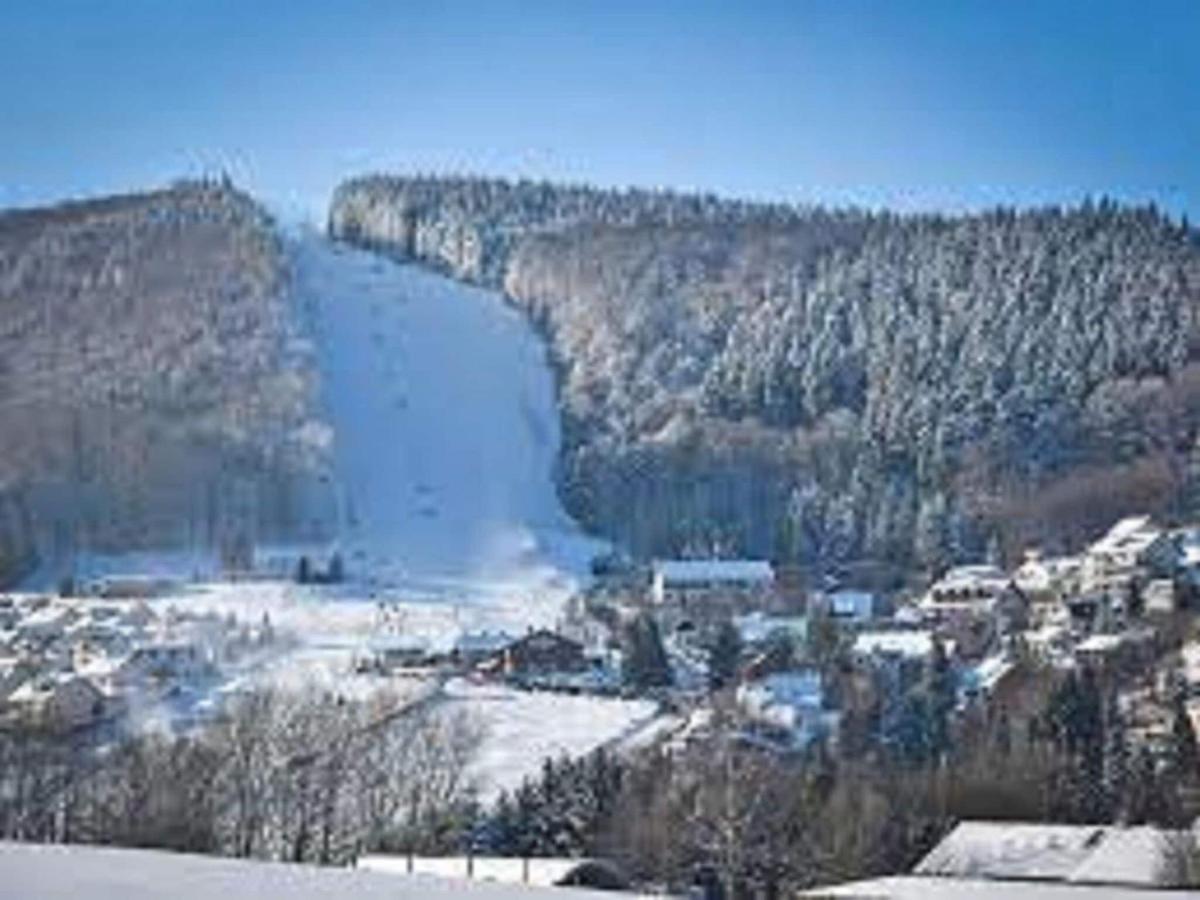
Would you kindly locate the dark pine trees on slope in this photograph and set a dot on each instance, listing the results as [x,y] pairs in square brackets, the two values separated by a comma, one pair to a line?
[151,392]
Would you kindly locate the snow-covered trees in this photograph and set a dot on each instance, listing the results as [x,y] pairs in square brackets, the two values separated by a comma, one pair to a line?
[150,388]
[915,379]
[289,776]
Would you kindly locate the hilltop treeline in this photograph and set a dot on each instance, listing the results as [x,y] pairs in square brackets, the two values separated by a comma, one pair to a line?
[821,385]
[151,390]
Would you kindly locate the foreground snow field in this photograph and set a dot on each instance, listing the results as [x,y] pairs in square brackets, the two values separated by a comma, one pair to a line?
[59,872]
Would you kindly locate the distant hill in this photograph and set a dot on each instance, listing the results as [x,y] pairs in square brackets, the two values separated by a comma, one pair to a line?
[825,385]
[150,394]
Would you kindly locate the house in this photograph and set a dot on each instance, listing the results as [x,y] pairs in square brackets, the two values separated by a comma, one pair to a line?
[389,653]
[14,672]
[969,587]
[47,623]
[851,607]
[697,581]
[60,702]
[995,860]
[1158,596]
[758,628]
[1131,546]
[1044,578]
[9,614]
[989,679]
[1107,652]
[473,647]
[1066,854]
[143,587]
[788,708]
[162,661]
[899,645]
[972,605]
[1190,667]
[1187,540]
[1050,643]
[542,652]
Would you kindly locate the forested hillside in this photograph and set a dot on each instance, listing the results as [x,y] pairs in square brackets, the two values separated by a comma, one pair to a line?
[828,385]
[151,390]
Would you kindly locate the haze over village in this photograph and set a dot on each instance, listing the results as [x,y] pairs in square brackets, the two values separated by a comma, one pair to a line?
[673,449]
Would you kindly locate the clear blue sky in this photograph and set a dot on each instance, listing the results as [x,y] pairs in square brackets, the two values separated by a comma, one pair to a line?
[904,104]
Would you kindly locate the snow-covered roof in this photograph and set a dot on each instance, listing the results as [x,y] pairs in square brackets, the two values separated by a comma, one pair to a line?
[399,643]
[1077,854]
[924,887]
[757,626]
[1131,535]
[973,576]
[697,571]
[1191,662]
[785,699]
[987,673]
[1048,634]
[797,688]
[483,641]
[847,603]
[1038,571]
[895,643]
[1100,643]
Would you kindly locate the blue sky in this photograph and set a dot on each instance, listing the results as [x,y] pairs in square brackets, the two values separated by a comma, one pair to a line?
[904,104]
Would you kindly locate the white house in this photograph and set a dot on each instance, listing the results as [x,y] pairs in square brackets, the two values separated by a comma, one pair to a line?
[1158,596]
[900,645]
[756,628]
[788,703]
[1039,576]
[968,587]
[1113,561]
[973,604]
[683,580]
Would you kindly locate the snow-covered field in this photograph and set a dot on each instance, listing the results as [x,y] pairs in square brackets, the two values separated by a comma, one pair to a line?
[67,872]
[520,728]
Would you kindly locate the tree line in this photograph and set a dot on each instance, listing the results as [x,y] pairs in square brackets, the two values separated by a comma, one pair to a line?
[294,776]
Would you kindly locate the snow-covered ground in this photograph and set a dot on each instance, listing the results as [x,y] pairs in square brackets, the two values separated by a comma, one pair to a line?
[522,728]
[66,872]
[446,435]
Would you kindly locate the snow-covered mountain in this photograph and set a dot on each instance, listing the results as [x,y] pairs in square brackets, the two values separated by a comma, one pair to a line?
[445,430]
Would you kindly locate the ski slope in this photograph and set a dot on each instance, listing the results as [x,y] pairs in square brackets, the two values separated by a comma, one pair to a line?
[445,435]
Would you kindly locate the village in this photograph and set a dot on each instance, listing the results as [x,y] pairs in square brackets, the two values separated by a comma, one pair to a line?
[784,664]
[97,664]
[796,662]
